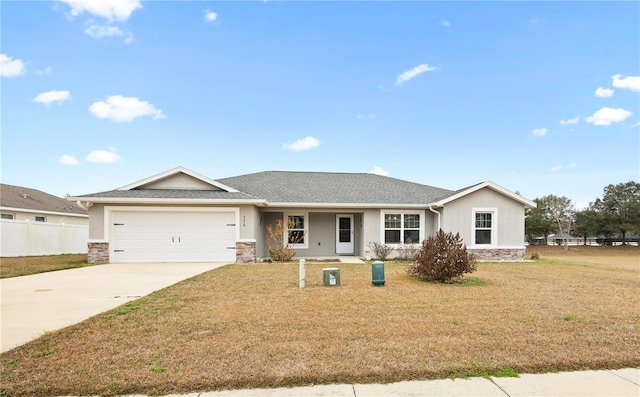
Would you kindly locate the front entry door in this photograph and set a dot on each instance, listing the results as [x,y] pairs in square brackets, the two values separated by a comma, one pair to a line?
[344,234]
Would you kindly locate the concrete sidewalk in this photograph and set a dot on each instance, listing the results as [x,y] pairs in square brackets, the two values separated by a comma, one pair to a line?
[32,305]
[621,382]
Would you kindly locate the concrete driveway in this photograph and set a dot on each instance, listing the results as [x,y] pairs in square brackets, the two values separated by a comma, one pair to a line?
[33,305]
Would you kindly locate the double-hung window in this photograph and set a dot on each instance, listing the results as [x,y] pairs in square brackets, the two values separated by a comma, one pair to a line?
[484,227]
[402,227]
[296,230]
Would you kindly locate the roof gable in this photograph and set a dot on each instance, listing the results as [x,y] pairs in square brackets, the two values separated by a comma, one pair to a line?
[178,178]
[18,197]
[490,185]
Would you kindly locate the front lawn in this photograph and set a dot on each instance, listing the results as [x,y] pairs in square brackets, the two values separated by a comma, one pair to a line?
[25,265]
[244,326]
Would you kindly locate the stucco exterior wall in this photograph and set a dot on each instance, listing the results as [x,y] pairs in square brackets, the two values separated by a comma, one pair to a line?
[457,216]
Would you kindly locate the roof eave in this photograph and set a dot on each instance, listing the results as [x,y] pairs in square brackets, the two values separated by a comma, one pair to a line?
[346,205]
[44,212]
[129,200]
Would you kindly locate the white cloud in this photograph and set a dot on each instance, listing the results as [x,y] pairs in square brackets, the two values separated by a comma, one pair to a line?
[446,24]
[102,156]
[556,168]
[604,92]
[303,144]
[574,120]
[10,67]
[409,74]
[539,132]
[119,10]
[44,71]
[608,116]
[120,108]
[210,16]
[378,171]
[630,82]
[98,31]
[69,160]
[52,96]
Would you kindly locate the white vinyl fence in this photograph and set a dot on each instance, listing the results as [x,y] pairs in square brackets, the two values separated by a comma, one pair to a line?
[28,238]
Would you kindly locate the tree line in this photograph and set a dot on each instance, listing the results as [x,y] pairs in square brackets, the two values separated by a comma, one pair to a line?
[614,215]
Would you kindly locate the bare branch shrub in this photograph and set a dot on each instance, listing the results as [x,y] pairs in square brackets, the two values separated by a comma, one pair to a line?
[278,243]
[380,251]
[442,258]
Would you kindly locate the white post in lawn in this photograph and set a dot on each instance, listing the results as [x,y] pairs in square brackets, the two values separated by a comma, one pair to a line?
[302,271]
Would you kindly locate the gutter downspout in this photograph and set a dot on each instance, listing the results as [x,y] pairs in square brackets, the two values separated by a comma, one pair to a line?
[437,213]
[84,206]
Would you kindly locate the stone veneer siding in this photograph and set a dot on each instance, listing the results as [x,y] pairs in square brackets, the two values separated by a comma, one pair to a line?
[499,254]
[98,253]
[246,252]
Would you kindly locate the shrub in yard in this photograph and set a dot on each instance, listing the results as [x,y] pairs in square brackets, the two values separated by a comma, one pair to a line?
[278,243]
[442,258]
[380,251]
[535,256]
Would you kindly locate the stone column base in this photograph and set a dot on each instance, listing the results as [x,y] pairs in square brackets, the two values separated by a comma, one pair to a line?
[98,253]
[246,251]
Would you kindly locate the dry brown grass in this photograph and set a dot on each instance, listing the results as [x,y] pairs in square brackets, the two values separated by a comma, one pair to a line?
[24,265]
[251,326]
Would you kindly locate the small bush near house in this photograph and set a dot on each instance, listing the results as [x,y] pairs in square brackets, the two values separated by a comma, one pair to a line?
[535,256]
[442,258]
[380,251]
[279,248]
[407,252]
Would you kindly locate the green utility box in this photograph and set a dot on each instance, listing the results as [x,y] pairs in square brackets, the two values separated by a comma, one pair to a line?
[377,273]
[331,276]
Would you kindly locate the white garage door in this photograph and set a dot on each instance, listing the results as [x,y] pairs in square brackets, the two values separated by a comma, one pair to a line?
[143,236]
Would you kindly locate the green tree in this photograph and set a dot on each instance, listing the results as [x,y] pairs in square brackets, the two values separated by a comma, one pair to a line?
[538,221]
[588,222]
[620,208]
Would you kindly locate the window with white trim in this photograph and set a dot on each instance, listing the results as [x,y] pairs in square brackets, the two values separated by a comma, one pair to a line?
[484,227]
[40,219]
[5,215]
[402,228]
[296,230]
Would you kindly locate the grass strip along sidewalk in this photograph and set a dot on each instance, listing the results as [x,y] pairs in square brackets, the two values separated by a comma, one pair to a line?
[25,265]
[245,326]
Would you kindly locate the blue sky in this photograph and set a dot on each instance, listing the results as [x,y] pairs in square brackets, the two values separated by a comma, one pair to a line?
[539,97]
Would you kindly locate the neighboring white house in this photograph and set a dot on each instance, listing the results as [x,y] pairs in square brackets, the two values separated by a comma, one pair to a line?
[181,216]
[37,223]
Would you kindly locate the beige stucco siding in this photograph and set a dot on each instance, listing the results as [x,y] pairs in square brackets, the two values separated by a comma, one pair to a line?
[457,216]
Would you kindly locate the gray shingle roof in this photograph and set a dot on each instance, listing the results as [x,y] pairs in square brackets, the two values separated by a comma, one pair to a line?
[334,188]
[31,199]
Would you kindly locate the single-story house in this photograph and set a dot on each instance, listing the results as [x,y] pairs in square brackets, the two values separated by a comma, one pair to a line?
[22,204]
[181,216]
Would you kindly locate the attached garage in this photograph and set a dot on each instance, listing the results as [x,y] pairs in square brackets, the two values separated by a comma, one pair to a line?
[152,234]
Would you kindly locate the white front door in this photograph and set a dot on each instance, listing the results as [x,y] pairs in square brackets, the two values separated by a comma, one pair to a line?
[344,234]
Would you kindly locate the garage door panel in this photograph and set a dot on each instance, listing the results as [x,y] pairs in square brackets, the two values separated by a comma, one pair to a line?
[150,236]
